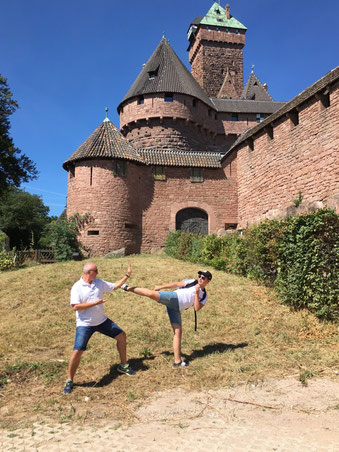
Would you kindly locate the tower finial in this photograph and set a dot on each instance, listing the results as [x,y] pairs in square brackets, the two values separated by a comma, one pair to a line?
[253,68]
[106,119]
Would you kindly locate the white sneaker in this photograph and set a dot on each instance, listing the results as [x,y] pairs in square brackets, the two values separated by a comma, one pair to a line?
[124,287]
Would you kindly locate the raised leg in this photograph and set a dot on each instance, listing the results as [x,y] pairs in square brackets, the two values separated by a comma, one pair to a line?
[153,294]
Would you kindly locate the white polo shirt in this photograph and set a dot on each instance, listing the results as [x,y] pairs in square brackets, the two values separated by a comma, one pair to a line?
[82,292]
[186,296]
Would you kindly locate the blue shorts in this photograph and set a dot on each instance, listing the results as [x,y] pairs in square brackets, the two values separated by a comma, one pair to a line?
[84,333]
[170,300]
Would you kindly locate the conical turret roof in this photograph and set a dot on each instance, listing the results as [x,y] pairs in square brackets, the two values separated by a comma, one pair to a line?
[105,142]
[254,90]
[165,72]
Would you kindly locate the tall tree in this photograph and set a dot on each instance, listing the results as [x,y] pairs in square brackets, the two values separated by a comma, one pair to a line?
[22,217]
[15,167]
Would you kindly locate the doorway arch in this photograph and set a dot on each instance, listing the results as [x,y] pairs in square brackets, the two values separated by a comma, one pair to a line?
[193,220]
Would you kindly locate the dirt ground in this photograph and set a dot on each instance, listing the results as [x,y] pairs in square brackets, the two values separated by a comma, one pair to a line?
[277,415]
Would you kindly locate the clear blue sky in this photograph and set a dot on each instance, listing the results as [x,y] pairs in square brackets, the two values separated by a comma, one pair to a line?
[65,61]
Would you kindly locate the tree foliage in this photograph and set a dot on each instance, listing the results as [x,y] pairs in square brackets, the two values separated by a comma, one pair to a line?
[15,167]
[23,217]
[62,236]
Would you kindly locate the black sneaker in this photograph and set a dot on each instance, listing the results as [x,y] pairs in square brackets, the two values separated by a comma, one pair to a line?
[181,364]
[124,287]
[125,370]
[68,387]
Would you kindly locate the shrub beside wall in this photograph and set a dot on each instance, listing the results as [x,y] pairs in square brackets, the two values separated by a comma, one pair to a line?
[298,256]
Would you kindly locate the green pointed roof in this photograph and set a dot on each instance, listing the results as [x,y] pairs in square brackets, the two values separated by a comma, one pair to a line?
[216,17]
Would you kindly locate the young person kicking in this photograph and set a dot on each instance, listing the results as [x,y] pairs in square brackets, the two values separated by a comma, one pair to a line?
[189,292]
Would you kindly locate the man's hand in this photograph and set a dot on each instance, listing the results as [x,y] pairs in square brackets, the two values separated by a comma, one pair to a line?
[129,270]
[100,302]
[157,288]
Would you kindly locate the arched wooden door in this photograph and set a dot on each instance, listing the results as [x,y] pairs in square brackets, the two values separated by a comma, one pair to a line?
[192,220]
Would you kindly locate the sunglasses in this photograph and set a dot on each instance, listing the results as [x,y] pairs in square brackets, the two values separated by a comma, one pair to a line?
[202,277]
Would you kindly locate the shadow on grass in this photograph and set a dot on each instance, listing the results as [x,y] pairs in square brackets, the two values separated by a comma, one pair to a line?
[136,364]
[209,349]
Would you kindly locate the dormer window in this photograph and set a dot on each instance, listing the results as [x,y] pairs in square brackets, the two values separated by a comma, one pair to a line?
[168,97]
[152,74]
[141,100]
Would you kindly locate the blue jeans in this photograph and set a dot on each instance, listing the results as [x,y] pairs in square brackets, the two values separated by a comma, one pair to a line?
[170,300]
[84,333]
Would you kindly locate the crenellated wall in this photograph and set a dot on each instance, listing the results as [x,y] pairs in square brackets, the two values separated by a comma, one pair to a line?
[300,157]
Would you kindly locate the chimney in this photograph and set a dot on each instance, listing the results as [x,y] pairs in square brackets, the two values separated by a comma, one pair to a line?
[227,11]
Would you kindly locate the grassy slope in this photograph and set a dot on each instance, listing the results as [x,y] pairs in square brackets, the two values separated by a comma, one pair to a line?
[243,335]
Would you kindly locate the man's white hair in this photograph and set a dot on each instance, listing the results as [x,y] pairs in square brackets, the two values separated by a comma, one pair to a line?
[87,267]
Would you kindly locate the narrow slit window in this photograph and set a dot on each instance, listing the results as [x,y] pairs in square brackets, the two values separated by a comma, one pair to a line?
[93,232]
[91,176]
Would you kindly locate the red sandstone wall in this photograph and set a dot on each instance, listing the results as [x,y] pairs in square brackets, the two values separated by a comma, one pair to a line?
[161,200]
[299,158]
[174,125]
[111,201]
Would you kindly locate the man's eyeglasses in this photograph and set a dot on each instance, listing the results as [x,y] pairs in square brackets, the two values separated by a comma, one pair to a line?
[95,271]
[202,277]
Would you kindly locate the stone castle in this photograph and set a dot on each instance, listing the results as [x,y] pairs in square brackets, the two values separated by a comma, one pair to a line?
[198,151]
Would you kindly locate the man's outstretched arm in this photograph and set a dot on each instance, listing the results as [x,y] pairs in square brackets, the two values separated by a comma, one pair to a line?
[122,281]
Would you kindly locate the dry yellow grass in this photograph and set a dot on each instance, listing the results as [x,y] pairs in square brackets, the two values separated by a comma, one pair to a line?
[244,335]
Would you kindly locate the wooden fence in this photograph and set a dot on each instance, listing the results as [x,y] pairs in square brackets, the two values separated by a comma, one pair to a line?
[41,256]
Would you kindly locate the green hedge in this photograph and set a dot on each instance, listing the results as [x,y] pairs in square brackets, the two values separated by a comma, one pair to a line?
[297,256]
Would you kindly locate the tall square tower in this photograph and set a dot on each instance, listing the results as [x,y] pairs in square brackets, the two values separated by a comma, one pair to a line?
[216,52]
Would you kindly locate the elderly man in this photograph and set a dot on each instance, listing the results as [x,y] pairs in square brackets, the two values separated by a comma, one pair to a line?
[87,302]
[189,292]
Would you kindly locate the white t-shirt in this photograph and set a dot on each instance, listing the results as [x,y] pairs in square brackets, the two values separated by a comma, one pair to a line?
[186,296]
[82,292]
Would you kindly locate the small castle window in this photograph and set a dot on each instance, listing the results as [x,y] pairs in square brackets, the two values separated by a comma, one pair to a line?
[260,117]
[168,97]
[197,175]
[159,173]
[153,74]
[119,168]
[141,100]
[93,232]
[209,112]
[227,30]
[71,171]
[294,117]
[194,102]
[235,117]
[91,176]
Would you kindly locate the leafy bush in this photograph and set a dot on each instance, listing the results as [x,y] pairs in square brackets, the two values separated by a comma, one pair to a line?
[309,263]
[298,256]
[261,256]
[7,260]
[62,236]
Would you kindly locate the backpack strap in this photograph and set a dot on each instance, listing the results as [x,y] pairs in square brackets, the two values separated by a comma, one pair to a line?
[191,284]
